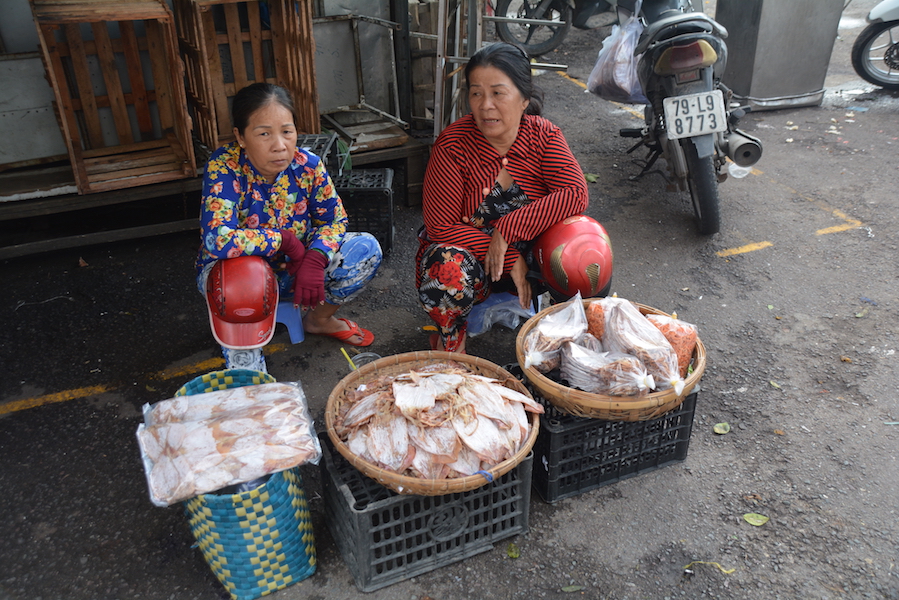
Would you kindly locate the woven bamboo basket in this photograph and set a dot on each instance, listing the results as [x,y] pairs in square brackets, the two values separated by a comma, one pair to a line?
[257,541]
[597,406]
[403,363]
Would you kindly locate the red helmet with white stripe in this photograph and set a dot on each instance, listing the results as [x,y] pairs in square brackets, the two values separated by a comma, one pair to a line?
[242,297]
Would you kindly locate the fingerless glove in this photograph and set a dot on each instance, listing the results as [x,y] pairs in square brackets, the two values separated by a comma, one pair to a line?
[309,287]
[294,249]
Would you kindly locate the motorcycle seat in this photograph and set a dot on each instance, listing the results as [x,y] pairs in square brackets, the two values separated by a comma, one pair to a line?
[669,27]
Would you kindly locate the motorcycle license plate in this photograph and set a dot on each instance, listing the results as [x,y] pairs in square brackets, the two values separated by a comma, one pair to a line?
[695,114]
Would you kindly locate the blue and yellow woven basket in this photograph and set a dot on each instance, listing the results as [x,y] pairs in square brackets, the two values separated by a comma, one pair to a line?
[259,541]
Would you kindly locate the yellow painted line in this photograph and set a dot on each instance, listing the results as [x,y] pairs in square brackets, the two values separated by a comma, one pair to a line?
[213,364]
[839,228]
[17,405]
[744,249]
[850,223]
[633,111]
[572,79]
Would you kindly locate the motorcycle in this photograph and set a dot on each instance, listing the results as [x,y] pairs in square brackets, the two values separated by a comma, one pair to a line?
[540,26]
[875,53]
[689,119]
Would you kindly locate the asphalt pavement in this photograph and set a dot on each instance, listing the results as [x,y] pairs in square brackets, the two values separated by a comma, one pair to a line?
[90,335]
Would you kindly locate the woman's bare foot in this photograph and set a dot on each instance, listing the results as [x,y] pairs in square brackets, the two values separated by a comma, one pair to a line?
[437,344]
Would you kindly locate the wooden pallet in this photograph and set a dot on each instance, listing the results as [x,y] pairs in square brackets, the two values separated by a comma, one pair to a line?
[124,124]
[226,47]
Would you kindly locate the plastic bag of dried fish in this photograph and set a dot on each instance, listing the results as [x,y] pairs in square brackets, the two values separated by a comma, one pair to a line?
[681,335]
[596,320]
[440,421]
[630,332]
[543,344]
[607,373]
[590,342]
[202,443]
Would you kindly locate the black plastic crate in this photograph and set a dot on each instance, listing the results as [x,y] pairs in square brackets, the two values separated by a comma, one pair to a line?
[385,537]
[367,195]
[573,455]
[323,145]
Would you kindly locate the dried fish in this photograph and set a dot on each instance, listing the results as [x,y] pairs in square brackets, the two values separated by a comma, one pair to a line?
[199,444]
[482,435]
[435,422]
[543,344]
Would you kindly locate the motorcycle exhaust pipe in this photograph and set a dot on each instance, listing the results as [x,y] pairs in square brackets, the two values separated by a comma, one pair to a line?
[743,149]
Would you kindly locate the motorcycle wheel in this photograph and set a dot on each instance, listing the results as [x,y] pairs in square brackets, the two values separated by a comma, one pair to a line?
[875,55]
[535,39]
[703,182]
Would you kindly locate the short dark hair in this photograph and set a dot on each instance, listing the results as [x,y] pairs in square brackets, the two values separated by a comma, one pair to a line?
[515,63]
[253,97]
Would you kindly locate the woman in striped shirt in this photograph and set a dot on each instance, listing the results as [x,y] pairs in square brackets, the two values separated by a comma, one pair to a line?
[496,179]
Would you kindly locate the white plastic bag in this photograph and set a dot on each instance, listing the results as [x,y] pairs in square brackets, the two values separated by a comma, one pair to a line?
[614,76]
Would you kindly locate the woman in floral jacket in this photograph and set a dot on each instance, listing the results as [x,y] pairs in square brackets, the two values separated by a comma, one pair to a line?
[264,196]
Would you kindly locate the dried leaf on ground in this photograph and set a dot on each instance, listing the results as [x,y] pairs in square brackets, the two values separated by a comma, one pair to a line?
[755,519]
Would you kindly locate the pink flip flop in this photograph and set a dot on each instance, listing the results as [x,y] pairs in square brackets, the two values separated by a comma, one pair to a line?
[344,336]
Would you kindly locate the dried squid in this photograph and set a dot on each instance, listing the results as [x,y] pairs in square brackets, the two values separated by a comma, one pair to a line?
[204,442]
[435,422]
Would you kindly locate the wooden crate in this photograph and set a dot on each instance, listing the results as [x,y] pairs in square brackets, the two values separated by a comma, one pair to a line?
[229,44]
[119,97]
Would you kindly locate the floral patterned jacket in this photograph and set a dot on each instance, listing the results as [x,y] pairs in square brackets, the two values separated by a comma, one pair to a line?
[241,214]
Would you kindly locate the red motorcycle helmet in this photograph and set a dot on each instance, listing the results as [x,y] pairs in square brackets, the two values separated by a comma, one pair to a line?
[575,255]
[242,297]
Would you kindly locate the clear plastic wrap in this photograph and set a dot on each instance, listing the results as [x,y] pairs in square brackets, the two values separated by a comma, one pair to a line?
[543,345]
[202,443]
[596,320]
[614,76]
[630,332]
[502,308]
[590,342]
[607,373]
[681,335]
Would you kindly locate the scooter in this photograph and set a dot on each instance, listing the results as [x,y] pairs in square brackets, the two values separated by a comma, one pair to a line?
[689,120]
[540,26]
[875,54]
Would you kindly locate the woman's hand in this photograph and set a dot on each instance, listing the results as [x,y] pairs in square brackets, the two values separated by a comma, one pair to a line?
[496,256]
[522,285]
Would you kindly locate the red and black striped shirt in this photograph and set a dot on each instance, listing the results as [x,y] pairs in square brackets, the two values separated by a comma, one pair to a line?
[463,167]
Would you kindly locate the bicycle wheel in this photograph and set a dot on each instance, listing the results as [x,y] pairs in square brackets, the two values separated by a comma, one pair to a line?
[535,39]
